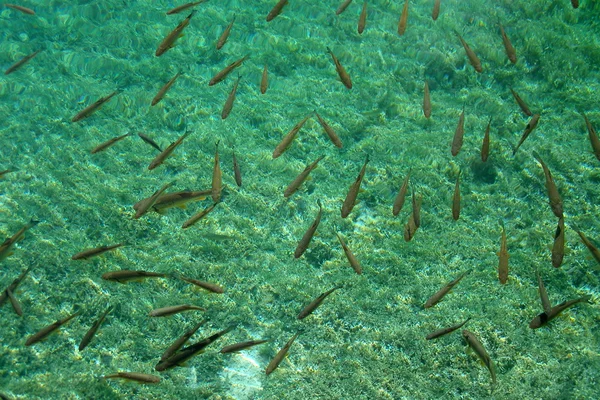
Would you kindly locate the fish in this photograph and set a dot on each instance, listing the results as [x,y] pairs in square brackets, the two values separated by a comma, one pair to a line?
[223,39]
[7,245]
[162,156]
[457,141]
[12,287]
[14,302]
[524,107]
[554,197]
[178,344]
[148,140]
[306,311]
[433,300]
[89,253]
[362,19]
[234,348]
[145,205]
[403,19]
[558,248]
[92,108]
[308,235]
[170,310]
[274,363]
[335,139]
[184,7]
[134,376]
[436,10]
[6,171]
[92,332]
[445,331]
[126,275]
[575,3]
[400,197]
[186,353]
[594,140]
[217,176]
[287,139]
[528,129]
[510,50]
[426,101]
[473,59]
[344,77]
[21,62]
[237,174]
[264,80]
[545,317]
[416,208]
[169,40]
[456,199]
[108,143]
[350,256]
[24,10]
[478,348]
[414,220]
[503,257]
[198,216]
[343,7]
[163,90]
[350,199]
[227,70]
[295,184]
[276,10]
[175,199]
[546,305]
[485,144]
[211,287]
[44,332]
[593,249]
[230,99]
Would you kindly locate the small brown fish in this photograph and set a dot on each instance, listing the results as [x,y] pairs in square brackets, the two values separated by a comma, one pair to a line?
[162,156]
[14,302]
[350,199]
[485,144]
[335,139]
[92,332]
[89,253]
[126,275]
[426,101]
[276,10]
[400,198]
[521,103]
[362,19]
[528,129]
[436,10]
[555,201]
[230,99]
[145,205]
[295,184]
[478,348]
[306,311]
[44,332]
[403,19]
[343,7]
[287,139]
[148,140]
[473,59]
[92,108]
[575,3]
[178,344]
[211,287]
[503,258]
[170,310]
[169,41]
[457,141]
[350,256]
[456,199]
[545,317]
[433,300]
[237,174]
[108,143]
[344,77]
[134,376]
[21,62]
[445,331]
[225,34]
[416,208]
[198,216]
[594,140]
[546,305]
[280,355]
[12,287]
[593,249]
[217,177]
[161,93]
[510,50]
[175,199]
[184,7]
[227,70]
[6,171]
[264,80]
[7,245]
[234,348]
[308,235]
[24,10]
[414,220]
[558,248]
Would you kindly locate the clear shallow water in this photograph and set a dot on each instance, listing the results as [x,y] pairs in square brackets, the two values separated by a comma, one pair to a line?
[367,339]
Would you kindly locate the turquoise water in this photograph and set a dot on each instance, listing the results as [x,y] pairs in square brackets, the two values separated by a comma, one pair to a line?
[367,340]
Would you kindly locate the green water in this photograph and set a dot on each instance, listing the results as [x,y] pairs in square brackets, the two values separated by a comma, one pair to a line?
[367,340]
